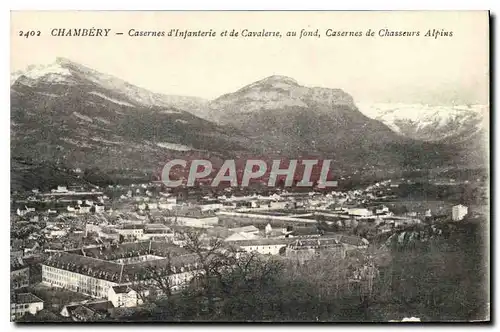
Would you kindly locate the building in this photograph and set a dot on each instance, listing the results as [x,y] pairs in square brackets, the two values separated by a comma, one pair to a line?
[102,232]
[311,248]
[360,212]
[198,220]
[84,314]
[93,271]
[166,206]
[245,229]
[382,210]
[25,211]
[458,212]
[268,229]
[87,311]
[19,274]
[23,303]
[123,297]
[85,208]
[152,206]
[301,232]
[55,233]
[157,233]
[263,246]
[34,219]
[241,236]
[275,204]
[352,242]
[131,231]
[31,247]
[213,205]
[61,189]
[99,208]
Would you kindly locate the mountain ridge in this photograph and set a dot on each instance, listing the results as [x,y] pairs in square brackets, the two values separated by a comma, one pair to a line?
[141,96]
[429,122]
[70,114]
[300,119]
[75,117]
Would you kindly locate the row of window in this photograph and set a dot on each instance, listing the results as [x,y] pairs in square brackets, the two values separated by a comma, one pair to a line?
[92,286]
[100,291]
[68,275]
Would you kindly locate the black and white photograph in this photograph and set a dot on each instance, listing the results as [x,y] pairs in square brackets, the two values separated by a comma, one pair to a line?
[249,166]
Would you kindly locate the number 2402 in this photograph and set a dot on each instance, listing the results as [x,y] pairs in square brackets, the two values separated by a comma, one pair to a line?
[31,33]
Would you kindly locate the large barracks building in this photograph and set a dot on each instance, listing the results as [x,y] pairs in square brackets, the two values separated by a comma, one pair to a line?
[94,271]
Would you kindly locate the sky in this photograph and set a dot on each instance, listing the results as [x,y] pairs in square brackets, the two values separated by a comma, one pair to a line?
[446,70]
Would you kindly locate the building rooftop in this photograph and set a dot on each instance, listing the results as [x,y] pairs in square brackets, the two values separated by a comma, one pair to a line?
[315,242]
[85,313]
[99,306]
[244,229]
[352,240]
[263,242]
[124,289]
[25,298]
[155,226]
[242,236]
[17,263]
[127,250]
[133,226]
[158,231]
[194,213]
[100,262]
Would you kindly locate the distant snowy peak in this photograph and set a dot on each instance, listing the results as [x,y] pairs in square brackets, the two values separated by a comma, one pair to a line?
[418,111]
[428,122]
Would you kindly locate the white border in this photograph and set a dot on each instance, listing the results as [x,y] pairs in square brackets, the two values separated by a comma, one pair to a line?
[254,5]
[189,5]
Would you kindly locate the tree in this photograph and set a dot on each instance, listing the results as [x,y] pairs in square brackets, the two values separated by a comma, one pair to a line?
[441,278]
[161,276]
[158,281]
[212,258]
[226,277]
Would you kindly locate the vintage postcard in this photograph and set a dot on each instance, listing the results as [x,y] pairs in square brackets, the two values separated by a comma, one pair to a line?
[250,166]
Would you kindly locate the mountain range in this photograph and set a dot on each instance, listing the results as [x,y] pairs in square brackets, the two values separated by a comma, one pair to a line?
[68,114]
[451,124]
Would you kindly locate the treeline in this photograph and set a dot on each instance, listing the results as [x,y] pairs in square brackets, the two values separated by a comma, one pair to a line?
[265,290]
[440,279]
[445,277]
[104,178]
[461,193]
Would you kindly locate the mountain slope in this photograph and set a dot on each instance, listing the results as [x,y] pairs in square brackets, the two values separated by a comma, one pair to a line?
[303,120]
[67,113]
[65,71]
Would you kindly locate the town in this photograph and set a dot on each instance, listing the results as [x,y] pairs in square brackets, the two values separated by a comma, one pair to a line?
[82,253]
